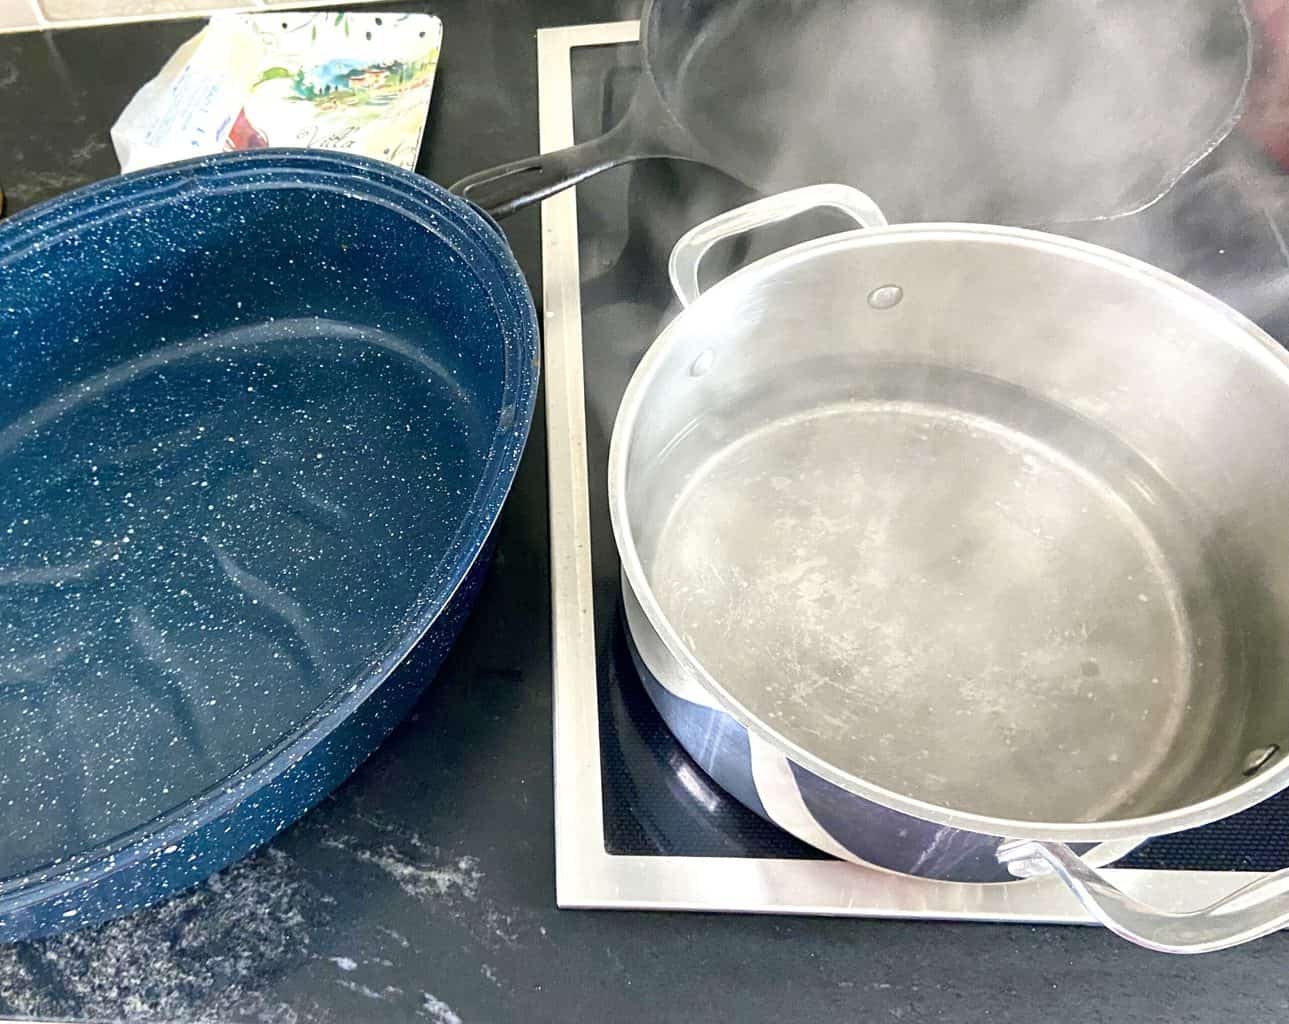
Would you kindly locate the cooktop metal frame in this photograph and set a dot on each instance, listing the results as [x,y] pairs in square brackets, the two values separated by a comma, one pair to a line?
[586,875]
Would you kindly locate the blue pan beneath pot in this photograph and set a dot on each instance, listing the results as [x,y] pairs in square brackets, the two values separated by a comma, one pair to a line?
[258,414]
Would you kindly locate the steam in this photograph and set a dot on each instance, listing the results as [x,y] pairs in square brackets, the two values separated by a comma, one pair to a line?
[1109,120]
[1020,111]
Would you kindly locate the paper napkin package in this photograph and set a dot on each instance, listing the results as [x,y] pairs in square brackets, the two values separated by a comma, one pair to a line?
[358,82]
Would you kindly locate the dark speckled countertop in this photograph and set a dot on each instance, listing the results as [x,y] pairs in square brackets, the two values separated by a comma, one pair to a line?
[424,889]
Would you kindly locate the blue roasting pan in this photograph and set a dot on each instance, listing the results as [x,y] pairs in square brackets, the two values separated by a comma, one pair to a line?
[258,415]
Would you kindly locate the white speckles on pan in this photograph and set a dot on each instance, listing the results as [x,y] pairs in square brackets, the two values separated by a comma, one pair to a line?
[226,601]
[260,413]
[437,1011]
[367,992]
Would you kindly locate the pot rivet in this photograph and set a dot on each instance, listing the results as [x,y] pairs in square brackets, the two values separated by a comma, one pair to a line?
[1257,758]
[702,364]
[886,297]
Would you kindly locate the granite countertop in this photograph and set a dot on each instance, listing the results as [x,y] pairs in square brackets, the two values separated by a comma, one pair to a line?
[424,889]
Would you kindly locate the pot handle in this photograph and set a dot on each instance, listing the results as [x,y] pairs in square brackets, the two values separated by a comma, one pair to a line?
[688,253]
[508,188]
[1257,909]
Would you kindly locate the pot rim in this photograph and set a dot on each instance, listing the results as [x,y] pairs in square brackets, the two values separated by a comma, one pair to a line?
[1222,322]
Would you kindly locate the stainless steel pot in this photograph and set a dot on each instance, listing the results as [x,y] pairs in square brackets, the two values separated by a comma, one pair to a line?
[958,550]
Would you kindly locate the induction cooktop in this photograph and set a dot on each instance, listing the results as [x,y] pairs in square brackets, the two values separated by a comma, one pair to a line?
[638,823]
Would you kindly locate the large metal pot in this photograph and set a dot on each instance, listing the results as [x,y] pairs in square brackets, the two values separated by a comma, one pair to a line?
[958,550]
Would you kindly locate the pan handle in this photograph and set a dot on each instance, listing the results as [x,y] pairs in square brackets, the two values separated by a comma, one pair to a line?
[1257,909]
[694,243]
[508,188]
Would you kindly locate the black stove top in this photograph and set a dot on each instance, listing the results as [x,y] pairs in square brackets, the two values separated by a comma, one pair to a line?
[1222,228]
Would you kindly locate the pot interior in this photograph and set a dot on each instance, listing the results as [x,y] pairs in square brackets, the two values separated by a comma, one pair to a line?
[981,517]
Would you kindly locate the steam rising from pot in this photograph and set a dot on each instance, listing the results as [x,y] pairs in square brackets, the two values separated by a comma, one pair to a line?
[1017,111]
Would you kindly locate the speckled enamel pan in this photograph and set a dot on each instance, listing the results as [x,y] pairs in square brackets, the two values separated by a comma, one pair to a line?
[258,414]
